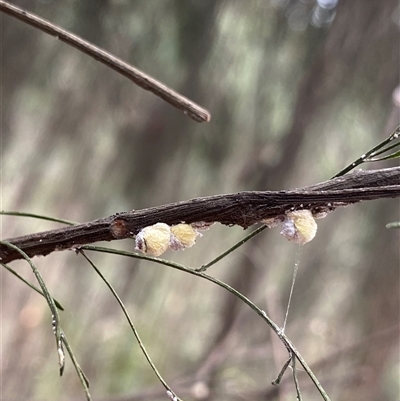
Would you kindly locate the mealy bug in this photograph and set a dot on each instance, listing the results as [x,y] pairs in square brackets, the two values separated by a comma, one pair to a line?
[183,236]
[299,226]
[154,240]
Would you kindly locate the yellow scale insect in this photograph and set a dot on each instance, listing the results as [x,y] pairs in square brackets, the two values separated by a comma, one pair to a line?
[156,239]
[183,236]
[153,240]
[299,226]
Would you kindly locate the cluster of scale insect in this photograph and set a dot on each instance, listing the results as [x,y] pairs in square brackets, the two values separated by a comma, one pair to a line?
[156,239]
[298,226]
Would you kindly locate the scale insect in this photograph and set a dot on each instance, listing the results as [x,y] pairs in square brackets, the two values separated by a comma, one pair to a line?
[154,240]
[299,226]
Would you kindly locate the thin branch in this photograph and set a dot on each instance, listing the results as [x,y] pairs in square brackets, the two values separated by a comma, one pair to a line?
[41,217]
[12,271]
[296,381]
[81,374]
[295,270]
[382,147]
[286,342]
[278,380]
[131,325]
[243,209]
[204,267]
[141,79]
[50,301]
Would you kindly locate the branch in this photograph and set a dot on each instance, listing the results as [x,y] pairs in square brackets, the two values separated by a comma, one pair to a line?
[141,79]
[242,208]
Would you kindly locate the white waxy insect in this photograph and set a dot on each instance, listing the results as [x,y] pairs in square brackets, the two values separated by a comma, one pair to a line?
[154,240]
[299,226]
[183,236]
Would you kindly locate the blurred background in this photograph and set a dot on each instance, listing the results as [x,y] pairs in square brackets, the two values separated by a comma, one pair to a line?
[297,89]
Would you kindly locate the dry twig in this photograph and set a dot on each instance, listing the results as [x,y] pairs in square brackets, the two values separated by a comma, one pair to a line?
[242,208]
[141,79]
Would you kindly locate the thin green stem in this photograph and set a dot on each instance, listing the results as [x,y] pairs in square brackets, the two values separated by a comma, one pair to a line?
[393,146]
[295,270]
[135,332]
[231,249]
[278,380]
[296,382]
[38,216]
[393,155]
[12,271]
[371,153]
[55,317]
[288,344]
[82,377]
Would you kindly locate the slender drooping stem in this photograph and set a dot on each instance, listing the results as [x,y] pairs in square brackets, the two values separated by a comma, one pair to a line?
[141,79]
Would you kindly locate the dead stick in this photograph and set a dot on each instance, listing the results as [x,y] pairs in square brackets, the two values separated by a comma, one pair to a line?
[141,79]
[242,208]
